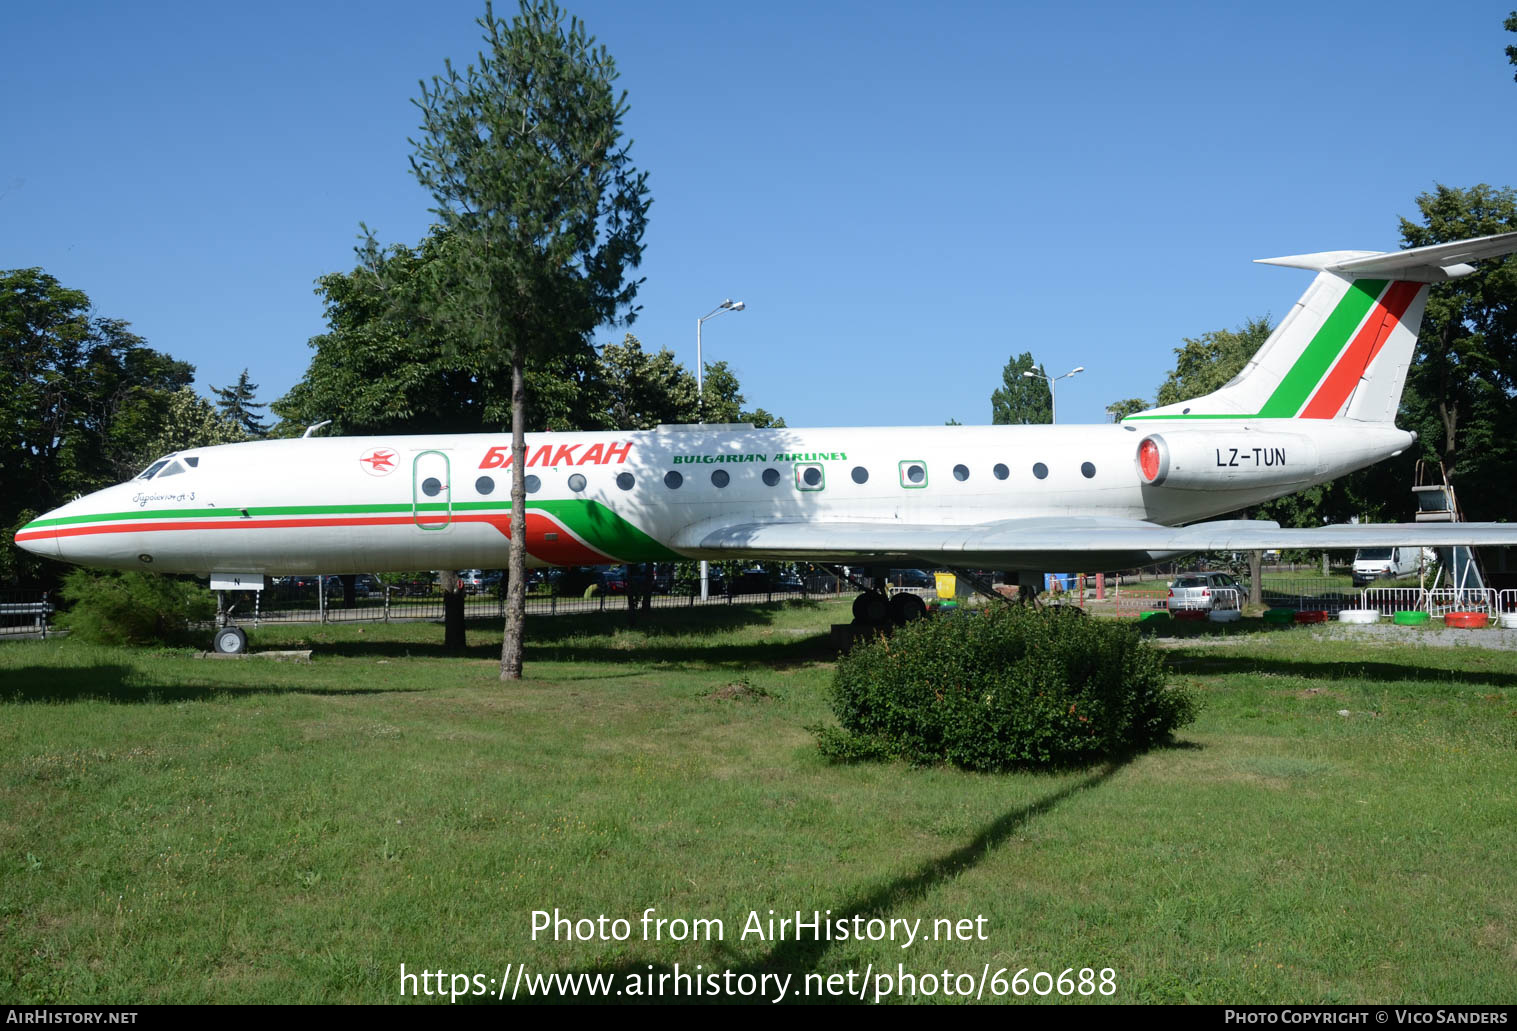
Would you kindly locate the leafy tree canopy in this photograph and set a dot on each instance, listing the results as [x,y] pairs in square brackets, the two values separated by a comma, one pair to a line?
[1021,401]
[1460,386]
[1206,363]
[236,403]
[1119,410]
[723,400]
[82,408]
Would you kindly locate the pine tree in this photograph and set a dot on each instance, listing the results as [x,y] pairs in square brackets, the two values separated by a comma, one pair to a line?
[236,403]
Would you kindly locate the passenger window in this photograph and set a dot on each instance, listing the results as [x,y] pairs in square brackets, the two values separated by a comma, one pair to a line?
[1087,470]
[533,484]
[673,479]
[809,477]
[771,477]
[1001,471]
[431,486]
[576,483]
[860,474]
[1040,470]
[913,474]
[720,478]
[625,481]
[961,472]
[484,485]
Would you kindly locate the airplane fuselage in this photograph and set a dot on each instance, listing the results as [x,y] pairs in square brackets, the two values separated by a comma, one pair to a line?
[395,502]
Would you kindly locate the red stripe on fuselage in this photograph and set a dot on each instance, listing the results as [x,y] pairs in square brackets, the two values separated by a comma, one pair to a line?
[566,550]
[1345,376]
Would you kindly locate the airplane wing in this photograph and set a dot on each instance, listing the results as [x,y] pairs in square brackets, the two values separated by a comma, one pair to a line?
[1071,536]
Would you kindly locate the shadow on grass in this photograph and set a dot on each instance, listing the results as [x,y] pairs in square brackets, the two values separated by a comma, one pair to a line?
[774,654]
[1212,663]
[667,640]
[125,685]
[800,956]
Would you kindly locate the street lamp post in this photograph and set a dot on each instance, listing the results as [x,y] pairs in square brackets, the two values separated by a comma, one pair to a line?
[700,366]
[700,403]
[1053,408]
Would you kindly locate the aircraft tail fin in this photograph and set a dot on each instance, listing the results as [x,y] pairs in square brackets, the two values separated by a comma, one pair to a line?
[1344,349]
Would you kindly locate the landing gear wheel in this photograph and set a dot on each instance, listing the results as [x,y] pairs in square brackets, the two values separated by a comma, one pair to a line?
[229,640]
[871,608]
[906,607]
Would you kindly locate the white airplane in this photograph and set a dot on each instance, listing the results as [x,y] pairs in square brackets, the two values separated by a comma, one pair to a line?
[1318,401]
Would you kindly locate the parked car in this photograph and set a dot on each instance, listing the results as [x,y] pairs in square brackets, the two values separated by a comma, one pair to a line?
[912,578]
[1205,591]
[471,581]
[1371,564]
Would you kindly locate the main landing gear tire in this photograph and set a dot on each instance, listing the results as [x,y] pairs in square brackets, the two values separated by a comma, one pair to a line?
[871,608]
[906,607]
[229,640]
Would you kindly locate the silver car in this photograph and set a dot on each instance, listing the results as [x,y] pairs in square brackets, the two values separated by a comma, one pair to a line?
[1204,591]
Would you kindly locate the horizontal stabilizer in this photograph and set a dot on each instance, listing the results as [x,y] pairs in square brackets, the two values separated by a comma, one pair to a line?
[1430,264]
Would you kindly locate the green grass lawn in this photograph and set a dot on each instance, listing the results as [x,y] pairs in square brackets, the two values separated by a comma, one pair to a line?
[175,829]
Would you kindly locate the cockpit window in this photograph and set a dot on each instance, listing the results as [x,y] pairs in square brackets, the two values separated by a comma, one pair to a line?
[192,460]
[174,469]
[147,474]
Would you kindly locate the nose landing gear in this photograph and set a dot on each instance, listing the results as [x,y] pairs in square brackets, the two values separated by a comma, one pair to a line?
[229,640]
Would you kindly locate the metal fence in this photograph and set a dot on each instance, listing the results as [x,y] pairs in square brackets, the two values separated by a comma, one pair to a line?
[314,604]
[24,613]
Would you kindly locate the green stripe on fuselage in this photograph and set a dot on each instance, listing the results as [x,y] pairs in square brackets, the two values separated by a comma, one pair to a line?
[599,527]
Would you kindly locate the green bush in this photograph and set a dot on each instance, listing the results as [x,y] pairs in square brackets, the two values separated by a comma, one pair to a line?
[1012,687]
[133,608]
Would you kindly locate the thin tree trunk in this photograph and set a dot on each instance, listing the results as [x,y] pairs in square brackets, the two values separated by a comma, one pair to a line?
[516,563]
[452,611]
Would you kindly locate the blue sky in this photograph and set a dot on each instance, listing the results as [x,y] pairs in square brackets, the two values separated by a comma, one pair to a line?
[904,195]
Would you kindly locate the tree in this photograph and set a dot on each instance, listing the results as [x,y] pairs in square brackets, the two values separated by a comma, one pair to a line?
[186,420]
[83,403]
[236,403]
[723,400]
[384,367]
[1461,381]
[1511,51]
[1119,410]
[545,211]
[1020,400]
[641,390]
[1206,363]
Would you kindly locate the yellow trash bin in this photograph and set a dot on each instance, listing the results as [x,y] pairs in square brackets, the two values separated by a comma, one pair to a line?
[948,585]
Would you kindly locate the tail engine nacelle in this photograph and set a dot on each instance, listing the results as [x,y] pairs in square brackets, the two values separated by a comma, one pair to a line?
[1188,460]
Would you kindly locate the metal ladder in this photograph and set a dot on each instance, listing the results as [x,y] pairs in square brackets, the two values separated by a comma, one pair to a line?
[1436,503]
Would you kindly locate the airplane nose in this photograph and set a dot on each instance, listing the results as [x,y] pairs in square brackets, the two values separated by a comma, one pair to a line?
[40,538]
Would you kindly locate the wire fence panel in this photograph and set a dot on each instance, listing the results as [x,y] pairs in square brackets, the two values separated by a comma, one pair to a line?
[1390,600]
[1308,594]
[1133,600]
[309,604]
[1461,599]
[24,612]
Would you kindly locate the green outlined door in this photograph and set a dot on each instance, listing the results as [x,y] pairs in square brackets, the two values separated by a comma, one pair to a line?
[431,491]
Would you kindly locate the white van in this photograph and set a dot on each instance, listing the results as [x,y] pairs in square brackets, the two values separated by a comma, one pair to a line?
[1371,564]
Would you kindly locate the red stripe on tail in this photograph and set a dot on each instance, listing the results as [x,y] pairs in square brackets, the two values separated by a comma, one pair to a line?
[1344,377]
